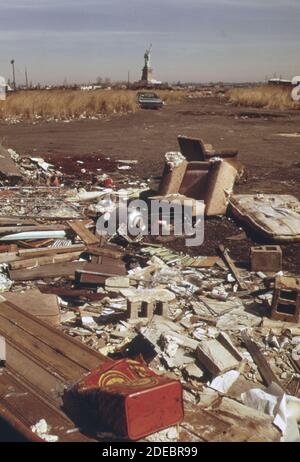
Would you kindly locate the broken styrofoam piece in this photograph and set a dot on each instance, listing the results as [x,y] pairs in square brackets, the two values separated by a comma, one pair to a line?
[224,382]
[174,159]
[274,402]
[117,282]
[88,322]
[41,429]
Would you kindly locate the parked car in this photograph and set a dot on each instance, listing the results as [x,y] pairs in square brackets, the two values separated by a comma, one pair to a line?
[149,100]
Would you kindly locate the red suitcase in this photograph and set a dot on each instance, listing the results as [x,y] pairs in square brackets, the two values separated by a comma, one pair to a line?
[130,400]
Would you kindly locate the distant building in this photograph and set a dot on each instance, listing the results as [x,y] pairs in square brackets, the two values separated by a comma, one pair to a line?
[3,89]
[276,81]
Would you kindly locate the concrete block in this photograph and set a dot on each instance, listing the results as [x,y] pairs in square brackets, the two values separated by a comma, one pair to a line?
[286,299]
[147,302]
[163,309]
[133,309]
[266,258]
[218,355]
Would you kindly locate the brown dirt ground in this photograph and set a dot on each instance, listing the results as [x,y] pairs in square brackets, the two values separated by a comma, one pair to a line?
[272,162]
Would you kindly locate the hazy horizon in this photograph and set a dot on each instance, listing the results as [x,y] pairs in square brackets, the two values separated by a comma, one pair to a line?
[193,40]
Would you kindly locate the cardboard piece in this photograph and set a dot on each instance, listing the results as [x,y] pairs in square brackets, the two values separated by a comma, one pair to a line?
[274,216]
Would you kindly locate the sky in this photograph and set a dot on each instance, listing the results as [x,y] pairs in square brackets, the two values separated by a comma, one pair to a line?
[193,40]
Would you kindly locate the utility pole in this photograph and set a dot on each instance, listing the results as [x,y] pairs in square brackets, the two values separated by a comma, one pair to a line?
[14,75]
[26,77]
[128,82]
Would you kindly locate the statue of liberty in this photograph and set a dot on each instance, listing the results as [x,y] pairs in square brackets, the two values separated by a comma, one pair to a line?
[147,57]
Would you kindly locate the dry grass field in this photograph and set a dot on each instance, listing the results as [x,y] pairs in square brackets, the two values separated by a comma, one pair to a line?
[74,104]
[264,96]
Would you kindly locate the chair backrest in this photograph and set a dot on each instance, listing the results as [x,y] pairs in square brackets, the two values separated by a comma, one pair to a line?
[192,149]
[194,183]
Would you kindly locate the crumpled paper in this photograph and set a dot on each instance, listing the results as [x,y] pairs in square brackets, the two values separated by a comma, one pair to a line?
[275,402]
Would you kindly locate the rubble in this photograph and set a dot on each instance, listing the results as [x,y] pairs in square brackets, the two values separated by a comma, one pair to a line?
[89,320]
[286,299]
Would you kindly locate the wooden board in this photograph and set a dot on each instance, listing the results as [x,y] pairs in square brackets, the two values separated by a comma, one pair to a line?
[54,270]
[85,235]
[41,261]
[43,306]
[7,257]
[41,363]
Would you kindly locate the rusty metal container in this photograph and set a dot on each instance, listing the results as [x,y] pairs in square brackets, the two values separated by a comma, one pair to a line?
[129,399]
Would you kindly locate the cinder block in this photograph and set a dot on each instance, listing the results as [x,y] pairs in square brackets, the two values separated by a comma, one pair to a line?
[150,308]
[133,309]
[266,258]
[2,351]
[163,309]
[286,299]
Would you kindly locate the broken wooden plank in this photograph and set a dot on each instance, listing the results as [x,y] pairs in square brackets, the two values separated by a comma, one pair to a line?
[31,253]
[47,271]
[93,274]
[106,251]
[6,221]
[85,235]
[73,294]
[105,268]
[206,262]
[41,363]
[41,261]
[23,254]
[42,332]
[24,408]
[235,271]
[260,360]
